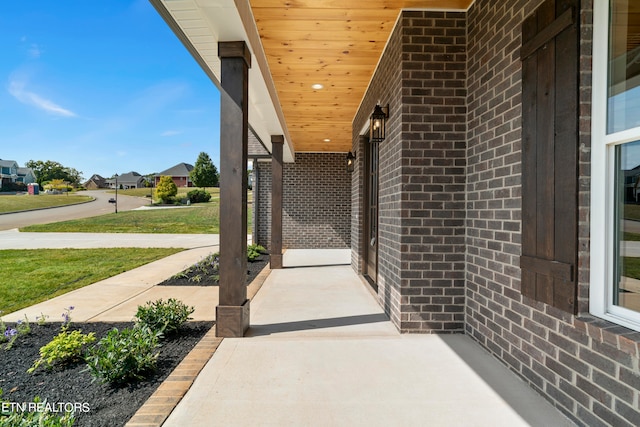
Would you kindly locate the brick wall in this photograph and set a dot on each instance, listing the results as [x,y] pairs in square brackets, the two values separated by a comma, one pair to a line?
[587,367]
[316,204]
[422,167]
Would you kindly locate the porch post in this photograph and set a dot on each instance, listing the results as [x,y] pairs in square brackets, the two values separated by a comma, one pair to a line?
[275,258]
[232,312]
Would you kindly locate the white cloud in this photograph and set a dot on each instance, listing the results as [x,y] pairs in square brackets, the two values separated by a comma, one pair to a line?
[17,90]
[170,133]
[34,51]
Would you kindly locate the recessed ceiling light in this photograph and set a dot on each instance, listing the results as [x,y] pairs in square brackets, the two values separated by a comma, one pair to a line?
[317,86]
[326,140]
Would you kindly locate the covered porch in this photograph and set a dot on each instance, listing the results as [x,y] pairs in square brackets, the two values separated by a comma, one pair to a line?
[447,145]
[321,352]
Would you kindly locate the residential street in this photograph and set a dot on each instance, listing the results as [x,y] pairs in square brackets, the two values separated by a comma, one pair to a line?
[99,206]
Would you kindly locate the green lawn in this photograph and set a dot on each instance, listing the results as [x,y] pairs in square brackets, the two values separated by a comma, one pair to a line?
[16,203]
[31,276]
[632,211]
[631,267]
[201,218]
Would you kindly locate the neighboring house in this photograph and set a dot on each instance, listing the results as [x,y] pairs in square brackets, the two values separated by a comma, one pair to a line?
[8,172]
[493,204]
[179,173]
[26,176]
[96,182]
[126,181]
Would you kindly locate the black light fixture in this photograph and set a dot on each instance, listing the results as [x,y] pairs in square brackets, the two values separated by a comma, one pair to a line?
[378,123]
[351,161]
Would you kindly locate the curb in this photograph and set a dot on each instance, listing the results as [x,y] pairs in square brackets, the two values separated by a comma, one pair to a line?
[155,411]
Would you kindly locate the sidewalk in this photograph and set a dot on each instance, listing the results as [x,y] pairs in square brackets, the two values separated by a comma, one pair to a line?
[322,353]
[116,299]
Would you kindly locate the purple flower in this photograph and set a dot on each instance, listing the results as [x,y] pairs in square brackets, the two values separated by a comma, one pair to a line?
[10,332]
[71,307]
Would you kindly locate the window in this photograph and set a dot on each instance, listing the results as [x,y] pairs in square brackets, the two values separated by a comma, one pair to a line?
[615,224]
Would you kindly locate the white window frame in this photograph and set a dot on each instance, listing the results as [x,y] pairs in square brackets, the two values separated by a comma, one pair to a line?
[602,182]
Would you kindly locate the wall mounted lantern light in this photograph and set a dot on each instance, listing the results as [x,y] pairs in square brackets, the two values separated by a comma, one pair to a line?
[351,161]
[378,123]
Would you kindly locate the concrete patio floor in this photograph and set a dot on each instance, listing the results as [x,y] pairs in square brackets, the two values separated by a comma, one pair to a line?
[320,352]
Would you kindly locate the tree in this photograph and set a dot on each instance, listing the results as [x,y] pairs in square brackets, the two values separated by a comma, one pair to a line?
[166,189]
[204,173]
[48,170]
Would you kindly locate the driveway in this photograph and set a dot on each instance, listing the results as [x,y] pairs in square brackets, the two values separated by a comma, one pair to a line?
[99,206]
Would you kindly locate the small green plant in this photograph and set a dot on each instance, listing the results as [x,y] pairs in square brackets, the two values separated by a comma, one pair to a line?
[66,318]
[165,317]
[64,348]
[202,270]
[42,319]
[9,335]
[12,416]
[254,251]
[124,355]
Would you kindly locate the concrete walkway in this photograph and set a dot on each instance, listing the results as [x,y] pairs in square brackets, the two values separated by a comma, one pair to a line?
[322,353]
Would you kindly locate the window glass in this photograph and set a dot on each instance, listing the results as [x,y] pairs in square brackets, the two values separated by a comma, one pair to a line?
[626,289]
[624,66]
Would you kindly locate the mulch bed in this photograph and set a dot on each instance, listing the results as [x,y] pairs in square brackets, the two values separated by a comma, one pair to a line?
[109,406]
[205,273]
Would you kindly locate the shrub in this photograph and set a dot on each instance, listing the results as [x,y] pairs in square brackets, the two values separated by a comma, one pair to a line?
[163,317]
[166,189]
[254,251]
[13,186]
[64,348]
[198,196]
[123,356]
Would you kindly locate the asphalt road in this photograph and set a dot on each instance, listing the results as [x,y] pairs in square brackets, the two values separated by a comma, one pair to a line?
[99,206]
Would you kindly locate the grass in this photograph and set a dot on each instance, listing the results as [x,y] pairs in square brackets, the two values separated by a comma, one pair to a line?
[631,267]
[198,219]
[632,237]
[28,277]
[16,203]
[632,211]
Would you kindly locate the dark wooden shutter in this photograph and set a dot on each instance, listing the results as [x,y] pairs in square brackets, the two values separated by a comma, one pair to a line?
[550,73]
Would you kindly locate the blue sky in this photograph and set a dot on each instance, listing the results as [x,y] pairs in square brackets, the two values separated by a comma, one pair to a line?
[103,87]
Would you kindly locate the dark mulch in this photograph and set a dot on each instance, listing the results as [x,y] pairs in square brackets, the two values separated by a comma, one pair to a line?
[205,273]
[109,405]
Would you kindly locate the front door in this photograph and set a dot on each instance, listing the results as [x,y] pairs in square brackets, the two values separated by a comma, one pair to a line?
[371,212]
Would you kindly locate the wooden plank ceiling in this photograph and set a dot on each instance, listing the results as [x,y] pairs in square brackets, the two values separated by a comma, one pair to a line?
[334,43]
